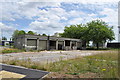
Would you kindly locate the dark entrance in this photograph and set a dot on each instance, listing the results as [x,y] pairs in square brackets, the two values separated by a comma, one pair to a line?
[52,45]
[60,46]
[67,42]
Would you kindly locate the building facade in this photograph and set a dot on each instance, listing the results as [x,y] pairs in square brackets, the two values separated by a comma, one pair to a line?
[37,42]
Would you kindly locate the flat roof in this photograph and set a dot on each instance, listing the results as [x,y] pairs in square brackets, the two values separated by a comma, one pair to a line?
[45,37]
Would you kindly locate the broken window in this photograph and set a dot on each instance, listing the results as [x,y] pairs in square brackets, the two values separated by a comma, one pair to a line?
[52,43]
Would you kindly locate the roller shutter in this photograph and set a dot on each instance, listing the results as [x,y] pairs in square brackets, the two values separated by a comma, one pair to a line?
[42,45]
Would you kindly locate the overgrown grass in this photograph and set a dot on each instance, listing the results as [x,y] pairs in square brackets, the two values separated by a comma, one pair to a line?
[104,65]
[25,63]
[11,50]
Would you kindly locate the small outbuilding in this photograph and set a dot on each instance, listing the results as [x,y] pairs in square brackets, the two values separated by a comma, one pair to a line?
[113,45]
[6,43]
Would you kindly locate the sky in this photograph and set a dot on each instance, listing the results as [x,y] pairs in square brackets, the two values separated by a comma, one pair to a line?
[49,17]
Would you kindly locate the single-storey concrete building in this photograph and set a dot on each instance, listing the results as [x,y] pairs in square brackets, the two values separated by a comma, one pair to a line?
[37,42]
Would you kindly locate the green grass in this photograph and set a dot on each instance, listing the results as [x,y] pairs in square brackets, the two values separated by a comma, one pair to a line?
[104,65]
[11,50]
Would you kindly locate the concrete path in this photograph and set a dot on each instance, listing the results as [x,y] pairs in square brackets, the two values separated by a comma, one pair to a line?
[31,74]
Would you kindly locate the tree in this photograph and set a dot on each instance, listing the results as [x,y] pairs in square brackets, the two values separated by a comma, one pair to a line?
[77,31]
[4,38]
[99,32]
[44,34]
[31,32]
[21,32]
[15,33]
[39,34]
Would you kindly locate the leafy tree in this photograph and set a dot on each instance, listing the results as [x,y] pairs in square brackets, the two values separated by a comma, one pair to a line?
[21,32]
[71,31]
[31,32]
[15,33]
[99,32]
[39,34]
[44,34]
[96,31]
[4,38]
[76,31]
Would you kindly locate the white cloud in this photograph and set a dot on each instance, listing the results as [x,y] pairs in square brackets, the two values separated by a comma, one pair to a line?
[75,13]
[48,27]
[81,1]
[75,21]
[111,15]
[111,18]
[6,30]
[17,10]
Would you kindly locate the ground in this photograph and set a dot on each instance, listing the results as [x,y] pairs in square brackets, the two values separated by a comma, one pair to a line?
[7,74]
[49,56]
[59,62]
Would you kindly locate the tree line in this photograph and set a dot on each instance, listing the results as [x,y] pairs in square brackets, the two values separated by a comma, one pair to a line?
[22,32]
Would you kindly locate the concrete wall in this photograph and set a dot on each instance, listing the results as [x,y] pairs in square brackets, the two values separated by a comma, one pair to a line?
[79,45]
[36,42]
[19,42]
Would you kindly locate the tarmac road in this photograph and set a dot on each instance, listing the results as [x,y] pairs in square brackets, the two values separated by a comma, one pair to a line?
[31,74]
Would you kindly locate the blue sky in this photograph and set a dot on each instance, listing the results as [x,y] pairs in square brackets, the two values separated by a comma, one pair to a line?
[50,17]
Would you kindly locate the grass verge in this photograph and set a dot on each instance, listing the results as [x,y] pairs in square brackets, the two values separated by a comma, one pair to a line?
[11,50]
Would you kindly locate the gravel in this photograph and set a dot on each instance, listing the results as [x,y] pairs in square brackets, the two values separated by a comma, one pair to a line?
[48,56]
